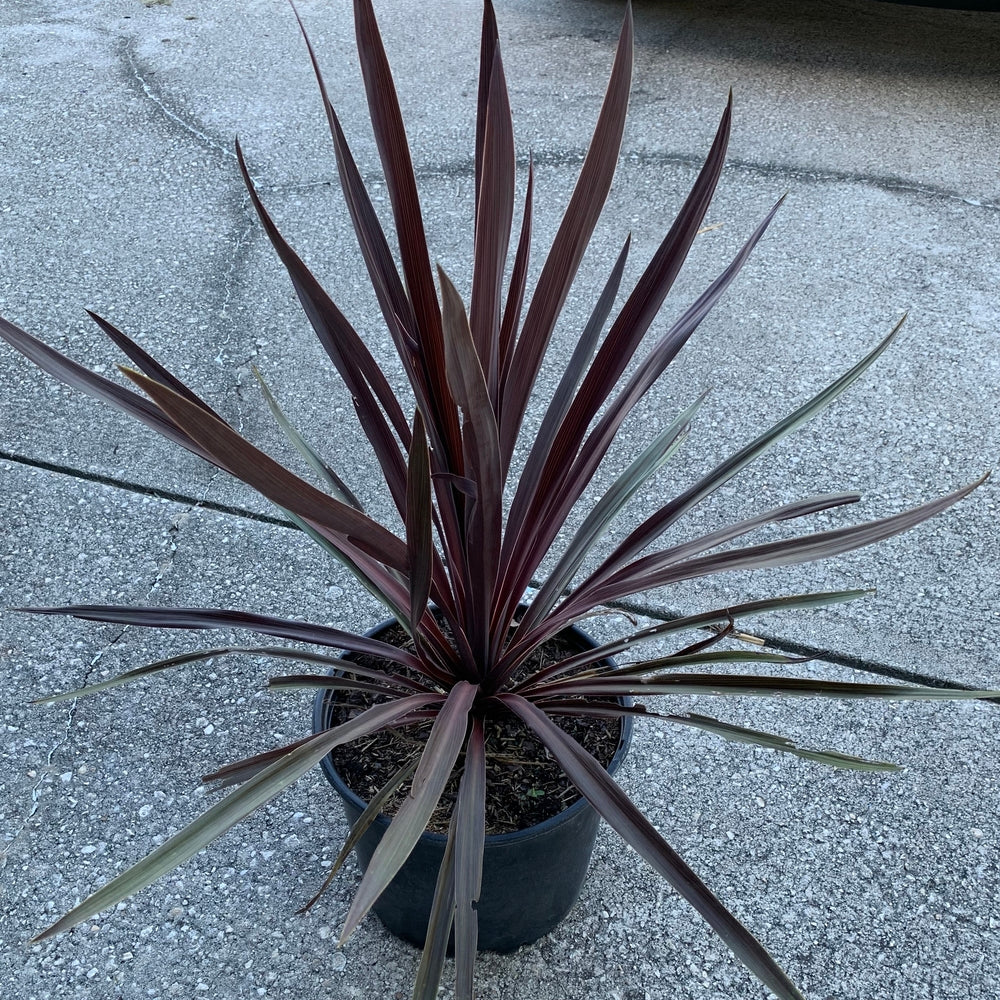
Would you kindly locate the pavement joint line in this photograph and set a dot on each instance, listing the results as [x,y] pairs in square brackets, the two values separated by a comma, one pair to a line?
[463,169]
[806,175]
[647,611]
[143,490]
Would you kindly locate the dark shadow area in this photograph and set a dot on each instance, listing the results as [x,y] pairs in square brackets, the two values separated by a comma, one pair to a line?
[849,34]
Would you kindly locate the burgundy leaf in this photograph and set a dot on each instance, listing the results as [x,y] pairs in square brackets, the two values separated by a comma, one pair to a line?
[390,136]
[146,364]
[444,743]
[515,291]
[242,770]
[352,359]
[494,215]
[489,46]
[804,548]
[78,377]
[419,543]
[599,788]
[482,457]
[202,618]
[374,247]
[560,403]
[570,242]
[237,456]
[563,482]
[660,520]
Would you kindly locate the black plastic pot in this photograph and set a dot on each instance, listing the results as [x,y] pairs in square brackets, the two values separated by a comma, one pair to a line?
[531,877]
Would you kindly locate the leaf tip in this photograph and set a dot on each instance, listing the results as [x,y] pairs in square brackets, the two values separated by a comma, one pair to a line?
[51,931]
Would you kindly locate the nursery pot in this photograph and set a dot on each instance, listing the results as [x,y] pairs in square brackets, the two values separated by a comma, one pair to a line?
[531,877]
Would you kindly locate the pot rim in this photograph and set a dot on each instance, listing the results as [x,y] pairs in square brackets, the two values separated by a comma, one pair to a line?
[539,829]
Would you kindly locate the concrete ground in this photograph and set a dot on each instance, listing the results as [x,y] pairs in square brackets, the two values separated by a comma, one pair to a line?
[119,192]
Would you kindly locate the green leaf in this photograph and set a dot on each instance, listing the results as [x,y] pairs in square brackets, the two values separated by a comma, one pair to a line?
[195,656]
[361,825]
[138,672]
[385,585]
[675,661]
[219,818]
[772,742]
[295,682]
[600,789]
[330,479]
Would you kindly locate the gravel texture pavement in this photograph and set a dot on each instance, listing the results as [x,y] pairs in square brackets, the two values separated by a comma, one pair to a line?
[119,192]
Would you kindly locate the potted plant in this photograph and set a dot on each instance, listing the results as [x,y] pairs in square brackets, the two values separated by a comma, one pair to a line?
[468,659]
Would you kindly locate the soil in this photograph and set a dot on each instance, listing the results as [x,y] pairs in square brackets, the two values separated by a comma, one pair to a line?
[524,783]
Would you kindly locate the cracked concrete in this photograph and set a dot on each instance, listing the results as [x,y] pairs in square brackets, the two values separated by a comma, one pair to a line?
[119,191]
[141,76]
[651,160]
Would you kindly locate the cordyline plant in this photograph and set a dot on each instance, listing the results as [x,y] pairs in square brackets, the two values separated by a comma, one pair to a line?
[472,372]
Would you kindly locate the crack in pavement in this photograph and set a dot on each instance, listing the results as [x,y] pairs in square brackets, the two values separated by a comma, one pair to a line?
[573,158]
[237,261]
[244,222]
[48,770]
[127,51]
